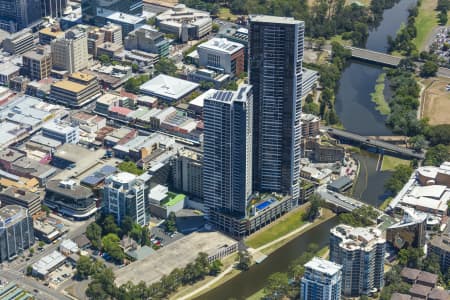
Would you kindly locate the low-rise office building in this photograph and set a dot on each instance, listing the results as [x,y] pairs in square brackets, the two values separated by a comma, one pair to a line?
[126,21]
[16,231]
[64,133]
[43,267]
[76,91]
[70,199]
[8,71]
[222,55]
[18,43]
[22,197]
[168,88]
[184,22]
[148,39]
[162,202]
[37,63]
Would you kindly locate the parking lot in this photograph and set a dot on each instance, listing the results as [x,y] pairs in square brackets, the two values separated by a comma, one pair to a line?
[61,274]
[161,238]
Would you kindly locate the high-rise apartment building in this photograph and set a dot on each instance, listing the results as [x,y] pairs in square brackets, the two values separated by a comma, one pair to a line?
[322,280]
[187,172]
[440,246]
[275,72]
[124,194]
[360,251]
[19,14]
[37,63]
[53,8]
[16,231]
[71,52]
[94,10]
[227,157]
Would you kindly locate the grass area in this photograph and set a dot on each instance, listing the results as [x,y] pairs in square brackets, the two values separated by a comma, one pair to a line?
[385,203]
[326,215]
[378,96]
[323,252]
[390,162]
[359,2]
[282,226]
[226,14]
[425,22]
[130,167]
[338,38]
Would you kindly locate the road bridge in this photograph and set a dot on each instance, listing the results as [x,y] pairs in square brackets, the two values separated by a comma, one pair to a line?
[387,59]
[340,202]
[372,144]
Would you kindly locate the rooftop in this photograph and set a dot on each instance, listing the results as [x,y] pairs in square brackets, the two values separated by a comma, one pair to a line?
[274,19]
[122,17]
[323,266]
[21,194]
[221,45]
[69,86]
[52,31]
[358,238]
[58,127]
[441,241]
[168,87]
[175,255]
[123,177]
[69,189]
[82,76]
[11,214]
[45,264]
[72,152]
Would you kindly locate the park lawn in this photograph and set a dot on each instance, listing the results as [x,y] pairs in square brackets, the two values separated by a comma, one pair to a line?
[378,96]
[257,296]
[338,38]
[282,226]
[226,14]
[390,162]
[425,22]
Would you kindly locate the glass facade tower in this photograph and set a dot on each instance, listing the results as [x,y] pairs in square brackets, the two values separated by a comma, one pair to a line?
[275,72]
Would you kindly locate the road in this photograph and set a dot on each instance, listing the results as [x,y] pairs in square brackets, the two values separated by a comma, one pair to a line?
[15,270]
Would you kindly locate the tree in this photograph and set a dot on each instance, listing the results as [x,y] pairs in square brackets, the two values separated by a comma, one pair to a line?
[244,260]
[410,257]
[145,236]
[418,142]
[277,286]
[320,42]
[46,209]
[232,86]
[94,234]
[429,69]
[102,286]
[314,209]
[215,268]
[134,67]
[436,155]
[443,18]
[31,251]
[398,179]
[41,244]
[126,225]
[215,27]
[311,108]
[407,64]
[206,85]
[111,246]
[109,225]
[171,223]
[104,59]
[439,134]
[166,66]
[84,267]
[29,270]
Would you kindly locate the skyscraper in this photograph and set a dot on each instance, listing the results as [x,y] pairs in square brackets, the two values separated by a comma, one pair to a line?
[322,280]
[92,8]
[19,14]
[227,160]
[360,251]
[275,72]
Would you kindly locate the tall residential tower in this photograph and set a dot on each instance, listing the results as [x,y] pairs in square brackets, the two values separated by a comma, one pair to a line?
[322,280]
[275,72]
[227,157]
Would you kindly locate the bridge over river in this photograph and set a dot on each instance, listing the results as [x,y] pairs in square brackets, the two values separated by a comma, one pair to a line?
[387,59]
[373,144]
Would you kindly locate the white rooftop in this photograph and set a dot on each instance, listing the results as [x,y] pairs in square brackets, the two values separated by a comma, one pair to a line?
[168,87]
[200,99]
[69,245]
[123,177]
[323,266]
[158,193]
[221,45]
[430,191]
[45,264]
[274,19]
[58,127]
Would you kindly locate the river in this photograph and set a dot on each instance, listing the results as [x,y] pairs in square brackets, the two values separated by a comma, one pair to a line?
[353,102]
[357,113]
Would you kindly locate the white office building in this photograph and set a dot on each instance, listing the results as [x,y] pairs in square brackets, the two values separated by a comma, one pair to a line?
[124,195]
[64,133]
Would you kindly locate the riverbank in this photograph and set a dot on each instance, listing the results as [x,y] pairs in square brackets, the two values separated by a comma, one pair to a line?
[378,96]
[426,21]
[230,272]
